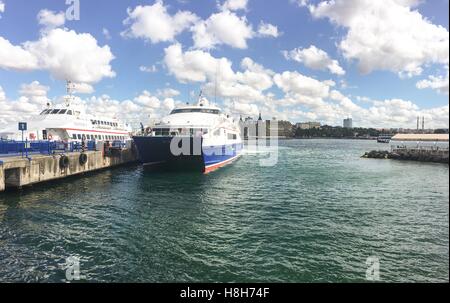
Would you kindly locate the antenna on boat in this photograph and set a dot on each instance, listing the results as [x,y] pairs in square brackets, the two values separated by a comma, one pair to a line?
[70,87]
[215,83]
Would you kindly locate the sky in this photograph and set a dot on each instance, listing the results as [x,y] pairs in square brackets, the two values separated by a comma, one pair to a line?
[382,63]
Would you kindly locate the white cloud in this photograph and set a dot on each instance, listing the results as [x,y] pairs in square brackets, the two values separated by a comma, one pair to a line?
[65,54]
[314,58]
[167,92]
[34,89]
[50,19]
[153,23]
[196,65]
[345,102]
[168,104]
[268,30]
[2,7]
[106,33]
[35,93]
[222,28]
[15,57]
[147,100]
[255,75]
[438,83]
[2,94]
[234,5]
[33,97]
[217,73]
[241,108]
[386,35]
[83,88]
[148,69]
[68,55]
[306,87]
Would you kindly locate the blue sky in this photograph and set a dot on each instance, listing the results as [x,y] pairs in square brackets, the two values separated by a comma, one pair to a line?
[298,27]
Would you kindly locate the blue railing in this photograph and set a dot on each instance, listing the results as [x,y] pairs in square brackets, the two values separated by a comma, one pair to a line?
[9,147]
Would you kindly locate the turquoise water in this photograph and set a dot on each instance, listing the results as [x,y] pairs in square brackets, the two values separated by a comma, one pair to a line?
[314,217]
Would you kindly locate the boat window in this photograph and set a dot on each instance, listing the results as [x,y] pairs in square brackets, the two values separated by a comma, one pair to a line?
[69,112]
[162,131]
[74,136]
[195,110]
[217,133]
[62,112]
[54,111]
[232,136]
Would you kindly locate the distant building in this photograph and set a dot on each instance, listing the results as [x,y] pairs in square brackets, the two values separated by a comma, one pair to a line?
[260,128]
[308,125]
[348,123]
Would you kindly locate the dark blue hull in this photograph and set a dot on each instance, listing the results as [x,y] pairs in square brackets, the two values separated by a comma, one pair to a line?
[156,153]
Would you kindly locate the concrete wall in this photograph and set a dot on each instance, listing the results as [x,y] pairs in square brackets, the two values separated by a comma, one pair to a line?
[20,172]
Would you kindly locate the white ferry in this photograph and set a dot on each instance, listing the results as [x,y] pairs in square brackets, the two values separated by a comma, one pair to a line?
[198,137]
[68,122]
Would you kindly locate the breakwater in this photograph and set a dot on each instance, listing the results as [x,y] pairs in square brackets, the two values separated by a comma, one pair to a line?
[411,154]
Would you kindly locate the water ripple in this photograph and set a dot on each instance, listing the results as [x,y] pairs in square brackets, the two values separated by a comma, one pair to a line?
[315,217]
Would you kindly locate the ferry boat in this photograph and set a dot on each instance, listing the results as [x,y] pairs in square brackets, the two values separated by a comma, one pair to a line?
[199,138]
[69,122]
[384,138]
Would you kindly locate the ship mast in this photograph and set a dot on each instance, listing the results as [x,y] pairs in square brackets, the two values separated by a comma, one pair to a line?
[70,87]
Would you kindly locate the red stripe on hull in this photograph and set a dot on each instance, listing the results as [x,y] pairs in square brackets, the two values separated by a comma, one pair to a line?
[219,165]
[95,131]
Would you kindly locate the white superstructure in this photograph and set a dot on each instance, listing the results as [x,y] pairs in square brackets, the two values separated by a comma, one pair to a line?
[190,126]
[68,122]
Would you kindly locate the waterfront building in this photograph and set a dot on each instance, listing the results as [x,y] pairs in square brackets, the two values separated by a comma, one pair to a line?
[308,125]
[348,123]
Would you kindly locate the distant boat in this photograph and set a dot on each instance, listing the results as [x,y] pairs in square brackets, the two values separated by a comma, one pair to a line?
[68,122]
[384,138]
[199,138]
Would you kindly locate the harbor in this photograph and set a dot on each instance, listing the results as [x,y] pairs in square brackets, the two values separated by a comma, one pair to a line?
[317,216]
[215,146]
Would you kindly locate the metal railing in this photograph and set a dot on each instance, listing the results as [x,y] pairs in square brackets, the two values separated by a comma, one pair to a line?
[25,148]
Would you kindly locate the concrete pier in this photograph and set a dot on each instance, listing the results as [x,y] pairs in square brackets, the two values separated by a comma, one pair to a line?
[16,172]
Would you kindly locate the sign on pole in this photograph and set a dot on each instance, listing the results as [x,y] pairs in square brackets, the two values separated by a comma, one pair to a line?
[22,126]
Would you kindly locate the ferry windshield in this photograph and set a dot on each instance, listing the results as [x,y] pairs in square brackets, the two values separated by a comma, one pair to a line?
[195,110]
[56,111]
